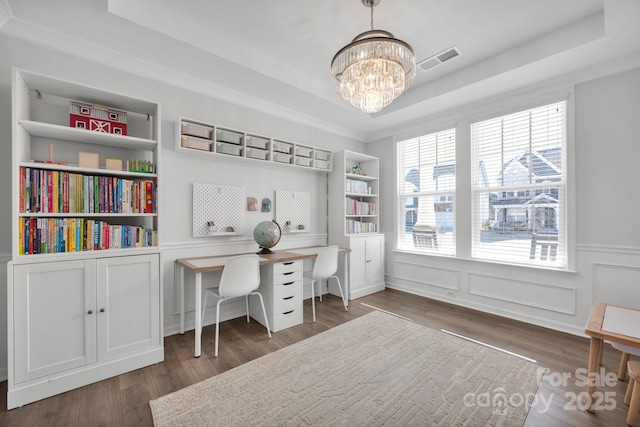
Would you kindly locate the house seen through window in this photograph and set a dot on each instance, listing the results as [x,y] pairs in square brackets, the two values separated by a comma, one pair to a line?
[518,189]
[427,184]
[519,186]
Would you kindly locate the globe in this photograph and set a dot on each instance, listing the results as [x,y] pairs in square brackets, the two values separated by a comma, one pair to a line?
[267,235]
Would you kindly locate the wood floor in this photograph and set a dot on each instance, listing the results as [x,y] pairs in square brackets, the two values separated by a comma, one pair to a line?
[123,400]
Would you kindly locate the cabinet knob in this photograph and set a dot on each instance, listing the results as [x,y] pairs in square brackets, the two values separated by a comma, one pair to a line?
[89,312]
[102,310]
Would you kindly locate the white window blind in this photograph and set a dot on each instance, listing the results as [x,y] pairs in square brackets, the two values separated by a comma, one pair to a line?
[518,187]
[426,193]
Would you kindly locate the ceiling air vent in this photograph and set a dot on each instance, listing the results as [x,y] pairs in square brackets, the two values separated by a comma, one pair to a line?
[440,58]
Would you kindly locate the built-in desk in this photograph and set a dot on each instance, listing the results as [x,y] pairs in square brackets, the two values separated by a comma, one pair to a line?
[206,264]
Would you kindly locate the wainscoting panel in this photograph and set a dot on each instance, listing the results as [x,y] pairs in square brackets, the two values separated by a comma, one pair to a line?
[434,276]
[616,284]
[532,294]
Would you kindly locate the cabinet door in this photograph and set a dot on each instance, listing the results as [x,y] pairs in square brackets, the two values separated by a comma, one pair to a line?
[54,317]
[128,305]
[357,265]
[375,260]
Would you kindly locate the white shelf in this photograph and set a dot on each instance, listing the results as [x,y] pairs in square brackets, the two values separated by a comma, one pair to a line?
[85,215]
[67,133]
[360,195]
[276,151]
[360,177]
[89,171]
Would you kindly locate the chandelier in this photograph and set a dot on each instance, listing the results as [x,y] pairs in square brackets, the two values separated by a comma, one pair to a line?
[374,69]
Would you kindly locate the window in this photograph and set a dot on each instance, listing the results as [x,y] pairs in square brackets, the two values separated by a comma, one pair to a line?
[426,193]
[518,187]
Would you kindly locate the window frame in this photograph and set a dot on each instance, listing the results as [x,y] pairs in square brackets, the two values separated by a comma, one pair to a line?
[461,119]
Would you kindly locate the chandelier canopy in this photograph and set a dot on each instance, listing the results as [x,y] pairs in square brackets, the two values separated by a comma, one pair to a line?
[374,69]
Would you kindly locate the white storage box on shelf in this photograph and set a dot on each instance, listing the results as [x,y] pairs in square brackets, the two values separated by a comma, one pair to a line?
[282,147]
[304,151]
[196,143]
[254,153]
[256,142]
[193,129]
[282,158]
[224,148]
[303,161]
[323,155]
[321,164]
[228,136]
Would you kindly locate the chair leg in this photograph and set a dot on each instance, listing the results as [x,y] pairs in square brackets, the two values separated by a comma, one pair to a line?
[320,290]
[313,301]
[217,325]
[264,312]
[634,407]
[246,299]
[622,370]
[344,300]
[627,395]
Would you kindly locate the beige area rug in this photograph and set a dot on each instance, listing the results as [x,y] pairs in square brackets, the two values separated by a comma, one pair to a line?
[375,370]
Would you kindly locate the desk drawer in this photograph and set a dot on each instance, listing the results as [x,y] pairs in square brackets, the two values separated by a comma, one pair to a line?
[286,320]
[287,277]
[287,289]
[286,304]
[287,267]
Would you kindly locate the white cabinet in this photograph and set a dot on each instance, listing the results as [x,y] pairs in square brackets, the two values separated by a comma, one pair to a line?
[281,289]
[84,299]
[80,321]
[366,265]
[354,221]
[53,331]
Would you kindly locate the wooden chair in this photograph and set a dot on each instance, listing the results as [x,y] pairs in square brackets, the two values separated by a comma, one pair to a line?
[632,396]
[627,351]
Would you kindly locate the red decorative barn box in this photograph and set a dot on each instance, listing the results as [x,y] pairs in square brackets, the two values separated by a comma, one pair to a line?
[97,118]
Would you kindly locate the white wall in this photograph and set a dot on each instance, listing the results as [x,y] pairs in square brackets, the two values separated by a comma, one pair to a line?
[606,207]
[179,170]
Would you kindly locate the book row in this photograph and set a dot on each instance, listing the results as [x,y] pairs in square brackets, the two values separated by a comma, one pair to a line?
[355,186]
[355,207]
[52,191]
[354,227]
[54,235]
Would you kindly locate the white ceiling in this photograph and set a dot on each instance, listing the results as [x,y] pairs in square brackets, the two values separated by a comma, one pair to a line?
[275,55]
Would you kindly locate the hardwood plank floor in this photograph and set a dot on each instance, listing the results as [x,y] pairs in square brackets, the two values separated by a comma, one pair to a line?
[123,400]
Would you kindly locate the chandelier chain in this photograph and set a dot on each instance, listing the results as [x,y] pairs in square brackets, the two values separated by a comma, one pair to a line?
[371,5]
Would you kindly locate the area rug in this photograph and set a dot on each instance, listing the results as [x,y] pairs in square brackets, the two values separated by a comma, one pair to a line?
[375,370]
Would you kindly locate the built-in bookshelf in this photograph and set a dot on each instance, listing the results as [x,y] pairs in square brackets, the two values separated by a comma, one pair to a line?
[354,221]
[206,139]
[353,195]
[104,183]
[85,261]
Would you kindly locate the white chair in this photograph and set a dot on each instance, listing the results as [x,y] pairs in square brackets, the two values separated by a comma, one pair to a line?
[325,267]
[626,350]
[240,278]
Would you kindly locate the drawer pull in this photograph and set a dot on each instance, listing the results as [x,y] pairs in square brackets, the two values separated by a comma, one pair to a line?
[288,263]
[291,272]
[288,283]
[287,297]
[288,312]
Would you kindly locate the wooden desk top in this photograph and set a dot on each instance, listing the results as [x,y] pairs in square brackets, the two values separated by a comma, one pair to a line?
[205,264]
[596,319]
